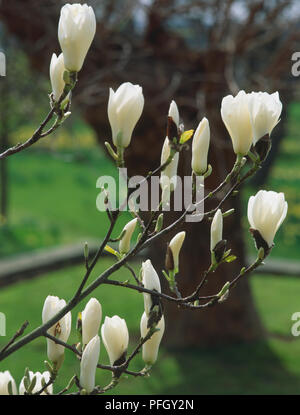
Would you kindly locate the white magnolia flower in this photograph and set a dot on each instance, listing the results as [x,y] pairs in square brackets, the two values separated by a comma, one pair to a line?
[265,110]
[115,338]
[150,281]
[124,244]
[5,378]
[57,69]
[174,113]
[125,106]
[175,246]
[236,117]
[88,364]
[168,177]
[266,212]
[200,147]
[216,230]
[61,330]
[76,31]
[38,385]
[91,319]
[150,348]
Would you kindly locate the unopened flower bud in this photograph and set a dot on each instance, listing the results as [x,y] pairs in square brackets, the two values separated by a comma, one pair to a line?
[57,69]
[200,147]
[76,31]
[159,223]
[61,330]
[150,281]
[125,106]
[124,245]
[266,212]
[236,117]
[91,319]
[216,230]
[115,338]
[265,110]
[175,247]
[174,113]
[151,346]
[88,364]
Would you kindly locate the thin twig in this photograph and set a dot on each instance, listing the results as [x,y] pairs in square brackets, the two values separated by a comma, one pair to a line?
[15,336]
[38,134]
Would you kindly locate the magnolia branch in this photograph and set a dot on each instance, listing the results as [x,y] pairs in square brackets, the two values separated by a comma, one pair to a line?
[39,133]
[103,278]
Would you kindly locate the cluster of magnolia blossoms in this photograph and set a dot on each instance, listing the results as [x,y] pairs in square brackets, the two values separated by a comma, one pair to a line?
[249,118]
[114,333]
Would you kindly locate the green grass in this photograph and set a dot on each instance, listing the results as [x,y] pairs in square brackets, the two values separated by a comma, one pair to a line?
[52,199]
[271,365]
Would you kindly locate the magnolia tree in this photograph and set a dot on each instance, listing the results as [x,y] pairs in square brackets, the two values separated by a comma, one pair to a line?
[249,119]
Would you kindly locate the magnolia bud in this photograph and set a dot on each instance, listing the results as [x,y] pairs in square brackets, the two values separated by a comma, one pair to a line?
[200,147]
[266,212]
[265,110]
[159,223]
[150,281]
[125,106]
[175,246]
[5,378]
[57,69]
[168,177]
[216,229]
[39,377]
[174,113]
[76,31]
[124,245]
[61,330]
[236,117]
[91,319]
[88,364]
[115,338]
[151,346]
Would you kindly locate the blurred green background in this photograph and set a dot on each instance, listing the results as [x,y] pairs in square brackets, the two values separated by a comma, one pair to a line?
[51,193]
